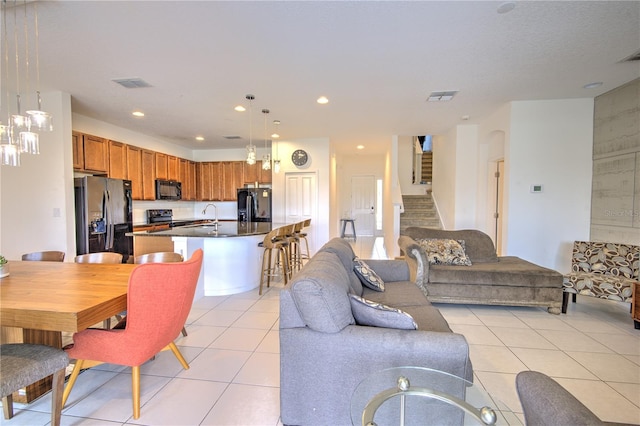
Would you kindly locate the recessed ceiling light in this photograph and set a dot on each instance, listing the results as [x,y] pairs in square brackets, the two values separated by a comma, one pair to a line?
[360,146]
[199,138]
[240,108]
[323,100]
[506,7]
[138,113]
[592,85]
[275,136]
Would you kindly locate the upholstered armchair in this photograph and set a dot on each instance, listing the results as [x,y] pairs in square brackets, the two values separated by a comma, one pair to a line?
[158,302]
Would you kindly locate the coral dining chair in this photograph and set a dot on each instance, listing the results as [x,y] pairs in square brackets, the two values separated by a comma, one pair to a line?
[158,302]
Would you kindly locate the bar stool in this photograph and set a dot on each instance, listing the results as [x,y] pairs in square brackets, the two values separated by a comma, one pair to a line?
[295,255]
[269,269]
[344,226]
[284,236]
[306,254]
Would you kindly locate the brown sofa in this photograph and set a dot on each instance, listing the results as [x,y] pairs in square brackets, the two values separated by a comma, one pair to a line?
[489,280]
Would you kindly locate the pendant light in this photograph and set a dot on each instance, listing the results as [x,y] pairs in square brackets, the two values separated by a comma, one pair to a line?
[19,134]
[276,158]
[266,159]
[251,149]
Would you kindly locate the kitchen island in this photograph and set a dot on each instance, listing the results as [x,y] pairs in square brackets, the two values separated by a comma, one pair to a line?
[232,260]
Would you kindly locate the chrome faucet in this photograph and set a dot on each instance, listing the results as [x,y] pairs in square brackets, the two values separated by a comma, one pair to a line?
[215,221]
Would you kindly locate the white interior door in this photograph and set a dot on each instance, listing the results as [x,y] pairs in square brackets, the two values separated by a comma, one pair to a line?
[300,198]
[363,204]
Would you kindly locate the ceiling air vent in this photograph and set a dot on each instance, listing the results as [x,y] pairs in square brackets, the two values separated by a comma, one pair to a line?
[132,83]
[442,96]
[633,57]
[232,137]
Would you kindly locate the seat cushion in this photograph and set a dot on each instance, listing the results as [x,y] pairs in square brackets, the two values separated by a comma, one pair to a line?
[397,294]
[22,364]
[508,271]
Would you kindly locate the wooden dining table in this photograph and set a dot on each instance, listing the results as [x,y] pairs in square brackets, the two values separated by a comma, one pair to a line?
[40,300]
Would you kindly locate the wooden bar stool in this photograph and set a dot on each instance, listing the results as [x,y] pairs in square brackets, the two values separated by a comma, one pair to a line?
[269,269]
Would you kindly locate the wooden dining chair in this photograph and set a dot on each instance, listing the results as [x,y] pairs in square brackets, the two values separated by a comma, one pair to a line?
[22,364]
[100,257]
[159,299]
[44,256]
[160,257]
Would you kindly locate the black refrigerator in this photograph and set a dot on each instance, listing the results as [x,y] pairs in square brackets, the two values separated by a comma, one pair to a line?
[254,205]
[104,214]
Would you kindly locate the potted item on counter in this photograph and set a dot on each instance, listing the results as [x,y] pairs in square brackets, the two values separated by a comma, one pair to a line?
[4,267]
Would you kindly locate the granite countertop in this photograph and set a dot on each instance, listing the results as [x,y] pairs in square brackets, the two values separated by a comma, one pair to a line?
[208,230]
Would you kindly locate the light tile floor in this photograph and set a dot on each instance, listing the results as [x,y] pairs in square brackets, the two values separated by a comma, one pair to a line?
[232,347]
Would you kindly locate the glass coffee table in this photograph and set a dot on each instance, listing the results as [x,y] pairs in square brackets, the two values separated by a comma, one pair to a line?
[423,396]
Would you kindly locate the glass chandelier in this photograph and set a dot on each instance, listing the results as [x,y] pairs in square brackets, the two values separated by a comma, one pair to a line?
[266,159]
[251,149]
[19,135]
[276,158]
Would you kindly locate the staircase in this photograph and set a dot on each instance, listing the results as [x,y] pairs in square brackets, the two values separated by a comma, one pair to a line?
[419,210]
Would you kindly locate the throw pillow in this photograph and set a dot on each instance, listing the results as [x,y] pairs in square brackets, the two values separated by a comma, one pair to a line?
[367,276]
[445,251]
[367,312]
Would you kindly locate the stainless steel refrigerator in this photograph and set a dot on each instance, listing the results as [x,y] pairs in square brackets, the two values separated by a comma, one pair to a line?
[104,213]
[254,205]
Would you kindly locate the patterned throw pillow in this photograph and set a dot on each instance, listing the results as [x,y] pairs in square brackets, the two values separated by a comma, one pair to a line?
[445,252]
[374,314]
[367,276]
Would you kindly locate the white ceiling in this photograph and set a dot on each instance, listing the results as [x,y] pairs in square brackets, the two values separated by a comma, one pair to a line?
[377,62]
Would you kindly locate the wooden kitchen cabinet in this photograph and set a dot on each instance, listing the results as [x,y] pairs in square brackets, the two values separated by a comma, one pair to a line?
[148,175]
[95,153]
[203,182]
[254,173]
[232,179]
[117,160]
[134,171]
[77,144]
[172,168]
[187,176]
[162,166]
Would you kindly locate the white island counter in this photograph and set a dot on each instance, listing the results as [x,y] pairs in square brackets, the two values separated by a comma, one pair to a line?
[232,258]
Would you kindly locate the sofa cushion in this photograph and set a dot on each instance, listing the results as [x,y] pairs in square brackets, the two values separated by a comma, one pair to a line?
[368,276]
[397,294]
[509,271]
[478,245]
[375,314]
[344,251]
[321,293]
[444,251]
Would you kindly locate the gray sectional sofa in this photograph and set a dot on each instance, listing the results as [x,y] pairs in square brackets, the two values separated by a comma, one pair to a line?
[325,353]
[489,280]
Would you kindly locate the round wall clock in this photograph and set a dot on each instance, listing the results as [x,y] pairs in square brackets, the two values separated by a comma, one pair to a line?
[299,157]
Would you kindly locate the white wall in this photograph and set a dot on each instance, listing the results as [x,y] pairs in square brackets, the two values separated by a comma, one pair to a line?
[37,197]
[444,177]
[320,163]
[467,180]
[550,144]
[406,154]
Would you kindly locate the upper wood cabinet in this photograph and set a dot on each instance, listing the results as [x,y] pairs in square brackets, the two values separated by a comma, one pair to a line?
[172,168]
[134,171]
[117,160]
[254,173]
[232,179]
[78,150]
[148,175]
[162,166]
[90,153]
[187,176]
[204,183]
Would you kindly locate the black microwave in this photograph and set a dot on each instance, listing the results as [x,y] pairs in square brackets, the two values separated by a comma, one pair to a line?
[168,190]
